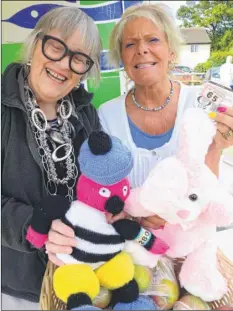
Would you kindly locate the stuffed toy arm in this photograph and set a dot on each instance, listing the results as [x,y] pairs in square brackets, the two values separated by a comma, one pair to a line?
[131,230]
[49,208]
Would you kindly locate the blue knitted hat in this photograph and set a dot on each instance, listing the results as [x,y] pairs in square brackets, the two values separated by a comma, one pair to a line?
[104,159]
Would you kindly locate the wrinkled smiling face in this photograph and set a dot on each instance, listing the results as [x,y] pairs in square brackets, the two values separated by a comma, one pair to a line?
[52,80]
[97,196]
[145,52]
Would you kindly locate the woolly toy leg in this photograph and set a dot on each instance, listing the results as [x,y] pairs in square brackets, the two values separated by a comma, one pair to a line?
[127,293]
[200,275]
[142,303]
[117,275]
[76,285]
[116,272]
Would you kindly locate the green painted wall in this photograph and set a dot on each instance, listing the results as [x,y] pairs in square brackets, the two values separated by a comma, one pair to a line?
[109,88]
[105,31]
[10,53]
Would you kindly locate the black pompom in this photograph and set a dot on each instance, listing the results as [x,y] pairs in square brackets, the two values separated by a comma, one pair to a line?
[114,205]
[127,293]
[128,229]
[78,300]
[99,142]
[49,208]
[54,206]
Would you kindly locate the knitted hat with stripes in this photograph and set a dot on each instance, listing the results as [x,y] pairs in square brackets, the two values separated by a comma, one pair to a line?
[104,159]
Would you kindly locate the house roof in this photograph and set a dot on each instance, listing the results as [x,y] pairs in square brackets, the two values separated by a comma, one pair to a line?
[195,35]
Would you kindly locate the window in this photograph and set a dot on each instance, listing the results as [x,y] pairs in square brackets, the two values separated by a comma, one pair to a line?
[194,48]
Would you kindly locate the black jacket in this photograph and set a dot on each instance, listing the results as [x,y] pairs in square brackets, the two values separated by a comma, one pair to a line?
[23,266]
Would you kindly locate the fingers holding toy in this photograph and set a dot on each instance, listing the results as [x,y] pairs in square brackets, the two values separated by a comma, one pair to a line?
[53,258]
[60,238]
[111,218]
[153,222]
[60,227]
[58,249]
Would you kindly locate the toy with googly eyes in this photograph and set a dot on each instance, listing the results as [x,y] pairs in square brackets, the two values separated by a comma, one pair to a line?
[99,258]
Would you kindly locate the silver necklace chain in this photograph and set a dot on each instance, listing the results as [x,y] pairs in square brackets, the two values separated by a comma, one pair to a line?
[157,108]
[48,139]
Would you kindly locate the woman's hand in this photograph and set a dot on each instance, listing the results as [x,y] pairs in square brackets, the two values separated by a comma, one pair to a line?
[152,222]
[111,218]
[61,239]
[224,136]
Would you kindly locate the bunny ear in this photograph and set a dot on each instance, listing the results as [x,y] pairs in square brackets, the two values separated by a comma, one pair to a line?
[196,135]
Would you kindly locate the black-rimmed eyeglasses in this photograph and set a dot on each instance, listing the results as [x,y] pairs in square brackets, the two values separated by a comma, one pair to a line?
[55,49]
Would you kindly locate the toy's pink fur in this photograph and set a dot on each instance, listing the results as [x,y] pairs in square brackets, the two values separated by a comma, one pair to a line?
[92,193]
[35,238]
[166,192]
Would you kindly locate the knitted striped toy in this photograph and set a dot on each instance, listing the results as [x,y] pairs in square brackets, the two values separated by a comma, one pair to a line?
[98,259]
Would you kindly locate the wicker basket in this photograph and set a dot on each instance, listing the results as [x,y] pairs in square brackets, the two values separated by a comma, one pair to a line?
[49,301]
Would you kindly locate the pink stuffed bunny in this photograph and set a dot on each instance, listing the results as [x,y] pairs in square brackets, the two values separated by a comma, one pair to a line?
[182,190]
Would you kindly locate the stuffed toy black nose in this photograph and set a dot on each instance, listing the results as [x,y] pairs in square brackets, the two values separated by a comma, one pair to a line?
[99,142]
[114,205]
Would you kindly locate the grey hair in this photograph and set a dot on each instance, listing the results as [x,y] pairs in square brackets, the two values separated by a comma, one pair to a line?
[161,18]
[67,20]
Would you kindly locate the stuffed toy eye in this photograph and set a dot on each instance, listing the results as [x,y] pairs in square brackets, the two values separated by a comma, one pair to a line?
[193,197]
[125,190]
[104,192]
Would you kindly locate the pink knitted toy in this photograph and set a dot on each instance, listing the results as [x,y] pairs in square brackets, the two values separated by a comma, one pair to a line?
[182,190]
[103,187]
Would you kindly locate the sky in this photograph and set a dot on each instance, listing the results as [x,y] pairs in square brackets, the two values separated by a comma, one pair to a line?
[174,5]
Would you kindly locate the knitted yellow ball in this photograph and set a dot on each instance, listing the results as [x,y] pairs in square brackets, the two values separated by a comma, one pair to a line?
[116,272]
[73,279]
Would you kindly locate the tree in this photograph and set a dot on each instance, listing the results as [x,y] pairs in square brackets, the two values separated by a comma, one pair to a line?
[215,16]
[216,59]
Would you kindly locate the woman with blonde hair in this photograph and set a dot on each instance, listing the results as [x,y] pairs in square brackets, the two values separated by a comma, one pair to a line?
[147,119]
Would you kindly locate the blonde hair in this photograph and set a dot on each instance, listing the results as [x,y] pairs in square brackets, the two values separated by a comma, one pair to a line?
[67,20]
[159,15]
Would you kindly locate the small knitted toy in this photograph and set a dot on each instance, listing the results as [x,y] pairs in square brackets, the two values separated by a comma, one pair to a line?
[98,259]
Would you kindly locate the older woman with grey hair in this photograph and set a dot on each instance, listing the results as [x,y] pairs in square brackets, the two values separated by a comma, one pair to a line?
[147,119]
[46,115]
